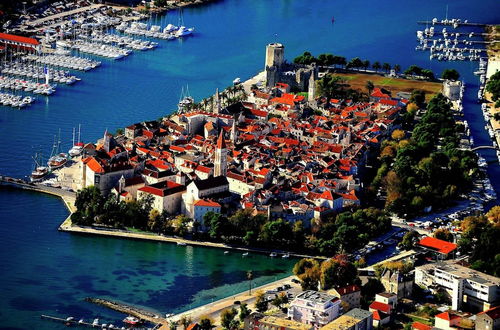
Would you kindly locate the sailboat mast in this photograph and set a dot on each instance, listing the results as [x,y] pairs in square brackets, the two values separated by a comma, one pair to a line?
[79,126]
[73,136]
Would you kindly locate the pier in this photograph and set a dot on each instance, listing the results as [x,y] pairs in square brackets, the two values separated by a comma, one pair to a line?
[451,23]
[23,184]
[70,322]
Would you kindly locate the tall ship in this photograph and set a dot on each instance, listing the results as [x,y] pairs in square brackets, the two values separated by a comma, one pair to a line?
[39,171]
[186,101]
[57,159]
[77,147]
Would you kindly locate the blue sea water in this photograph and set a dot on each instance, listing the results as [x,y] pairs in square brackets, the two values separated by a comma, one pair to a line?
[44,271]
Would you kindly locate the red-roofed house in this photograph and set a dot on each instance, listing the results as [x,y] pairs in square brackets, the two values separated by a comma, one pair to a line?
[203,206]
[437,245]
[330,200]
[167,195]
[350,296]
[447,321]
[489,319]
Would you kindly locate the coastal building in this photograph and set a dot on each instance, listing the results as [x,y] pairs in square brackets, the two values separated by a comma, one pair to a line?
[279,71]
[202,207]
[442,249]
[489,319]
[19,42]
[350,296]
[451,89]
[355,319]
[215,188]
[314,308]
[126,190]
[468,289]
[166,195]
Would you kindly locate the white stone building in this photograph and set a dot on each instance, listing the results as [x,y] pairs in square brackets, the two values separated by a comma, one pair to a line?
[314,308]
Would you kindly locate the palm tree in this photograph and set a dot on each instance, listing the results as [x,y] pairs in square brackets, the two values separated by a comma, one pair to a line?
[250,278]
[376,66]
[366,64]
[386,67]
[397,68]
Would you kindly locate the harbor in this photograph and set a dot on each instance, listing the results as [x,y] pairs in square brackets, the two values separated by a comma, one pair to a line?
[110,98]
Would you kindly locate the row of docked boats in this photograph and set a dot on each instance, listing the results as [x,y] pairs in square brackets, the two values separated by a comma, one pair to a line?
[38,72]
[99,49]
[65,61]
[122,41]
[25,85]
[57,159]
[169,32]
[15,101]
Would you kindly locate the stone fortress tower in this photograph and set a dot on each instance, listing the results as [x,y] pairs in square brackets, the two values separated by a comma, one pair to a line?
[278,70]
[275,55]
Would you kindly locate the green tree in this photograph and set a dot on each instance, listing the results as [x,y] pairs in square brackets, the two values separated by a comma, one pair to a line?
[386,67]
[279,300]
[215,223]
[443,234]
[376,66]
[450,74]
[244,311]
[260,302]
[337,272]
[206,323]
[493,86]
[249,278]
[409,240]
[227,317]
[370,289]
[181,224]
[185,320]
[397,68]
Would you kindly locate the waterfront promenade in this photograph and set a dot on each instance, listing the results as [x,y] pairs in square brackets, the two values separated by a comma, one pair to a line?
[213,310]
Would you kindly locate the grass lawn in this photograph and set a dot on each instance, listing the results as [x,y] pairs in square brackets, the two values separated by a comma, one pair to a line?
[358,81]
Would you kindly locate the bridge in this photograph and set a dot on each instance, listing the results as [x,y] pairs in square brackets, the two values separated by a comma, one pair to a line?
[483,147]
[23,184]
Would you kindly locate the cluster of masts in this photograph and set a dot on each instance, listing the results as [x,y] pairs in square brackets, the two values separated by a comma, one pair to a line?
[169,32]
[26,85]
[64,61]
[37,72]
[455,22]
[121,41]
[446,48]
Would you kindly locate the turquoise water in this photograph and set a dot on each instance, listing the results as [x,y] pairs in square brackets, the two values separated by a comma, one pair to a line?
[44,271]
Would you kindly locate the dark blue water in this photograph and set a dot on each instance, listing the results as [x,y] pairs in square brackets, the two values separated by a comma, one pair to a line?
[44,271]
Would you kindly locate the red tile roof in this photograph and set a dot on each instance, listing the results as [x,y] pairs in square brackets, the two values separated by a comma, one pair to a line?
[347,289]
[494,312]
[380,306]
[163,188]
[207,203]
[437,244]
[24,40]
[447,316]
[420,326]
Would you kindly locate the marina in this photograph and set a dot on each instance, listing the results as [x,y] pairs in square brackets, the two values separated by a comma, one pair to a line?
[106,98]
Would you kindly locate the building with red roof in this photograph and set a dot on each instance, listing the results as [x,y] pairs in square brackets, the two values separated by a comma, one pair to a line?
[167,195]
[447,320]
[350,295]
[437,245]
[202,207]
[489,319]
[19,42]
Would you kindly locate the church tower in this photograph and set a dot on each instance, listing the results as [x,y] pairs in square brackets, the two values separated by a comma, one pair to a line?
[217,107]
[220,162]
[106,142]
[234,135]
[311,91]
